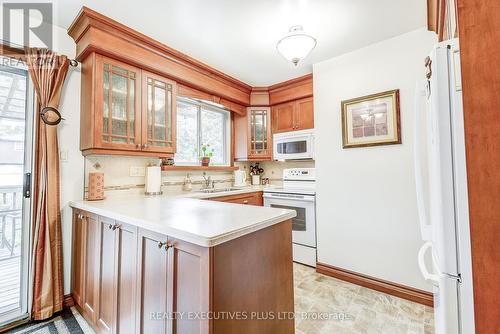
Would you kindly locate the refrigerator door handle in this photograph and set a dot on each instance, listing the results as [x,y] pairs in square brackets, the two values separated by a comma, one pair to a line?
[425,228]
[421,263]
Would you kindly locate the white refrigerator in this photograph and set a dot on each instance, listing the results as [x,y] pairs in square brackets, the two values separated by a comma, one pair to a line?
[441,184]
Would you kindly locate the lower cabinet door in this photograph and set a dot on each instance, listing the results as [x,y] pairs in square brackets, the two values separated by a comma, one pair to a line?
[78,256]
[152,283]
[126,278]
[189,270]
[90,286]
[106,250]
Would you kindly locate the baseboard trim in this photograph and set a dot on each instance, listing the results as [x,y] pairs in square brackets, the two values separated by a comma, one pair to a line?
[391,288]
[68,301]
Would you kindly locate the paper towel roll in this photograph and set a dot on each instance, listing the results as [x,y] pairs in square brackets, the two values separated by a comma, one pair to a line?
[153,180]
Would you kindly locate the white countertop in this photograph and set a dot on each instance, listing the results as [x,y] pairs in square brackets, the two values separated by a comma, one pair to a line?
[179,215]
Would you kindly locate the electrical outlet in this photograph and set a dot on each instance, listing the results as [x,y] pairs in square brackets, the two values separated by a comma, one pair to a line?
[137,171]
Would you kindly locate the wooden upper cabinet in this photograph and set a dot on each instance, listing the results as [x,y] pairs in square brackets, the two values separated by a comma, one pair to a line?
[158,117]
[117,105]
[259,133]
[126,110]
[253,135]
[283,117]
[293,116]
[304,114]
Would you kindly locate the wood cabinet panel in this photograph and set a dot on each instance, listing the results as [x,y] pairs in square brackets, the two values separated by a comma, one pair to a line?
[283,117]
[256,284]
[117,105]
[190,278]
[78,256]
[106,281]
[152,283]
[125,277]
[247,199]
[304,114]
[253,135]
[114,121]
[90,290]
[259,133]
[158,113]
[240,136]
[133,278]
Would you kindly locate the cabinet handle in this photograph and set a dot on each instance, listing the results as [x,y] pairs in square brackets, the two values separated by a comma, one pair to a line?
[137,146]
[168,246]
[115,226]
[144,146]
[245,202]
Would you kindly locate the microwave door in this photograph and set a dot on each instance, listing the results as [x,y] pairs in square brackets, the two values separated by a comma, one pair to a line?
[297,148]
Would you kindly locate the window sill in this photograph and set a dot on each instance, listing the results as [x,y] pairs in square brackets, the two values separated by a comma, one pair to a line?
[214,168]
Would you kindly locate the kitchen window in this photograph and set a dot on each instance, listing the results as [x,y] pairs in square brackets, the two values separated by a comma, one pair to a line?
[200,123]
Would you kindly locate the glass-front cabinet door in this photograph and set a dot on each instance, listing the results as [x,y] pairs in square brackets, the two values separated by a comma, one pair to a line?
[117,105]
[259,133]
[159,111]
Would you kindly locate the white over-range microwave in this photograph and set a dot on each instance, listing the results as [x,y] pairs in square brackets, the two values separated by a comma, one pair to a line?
[294,145]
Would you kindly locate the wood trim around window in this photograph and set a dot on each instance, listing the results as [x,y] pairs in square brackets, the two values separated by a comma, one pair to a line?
[391,288]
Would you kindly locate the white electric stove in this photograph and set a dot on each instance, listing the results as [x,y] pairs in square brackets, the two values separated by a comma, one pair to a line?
[298,193]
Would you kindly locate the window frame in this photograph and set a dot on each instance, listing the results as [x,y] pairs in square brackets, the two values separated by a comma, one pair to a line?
[206,105]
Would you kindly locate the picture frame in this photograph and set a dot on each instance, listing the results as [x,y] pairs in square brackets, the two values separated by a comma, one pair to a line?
[371,120]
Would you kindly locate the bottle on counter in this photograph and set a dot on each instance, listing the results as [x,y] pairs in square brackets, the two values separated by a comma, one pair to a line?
[188,184]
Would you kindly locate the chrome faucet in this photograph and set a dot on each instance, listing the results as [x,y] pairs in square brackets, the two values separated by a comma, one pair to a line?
[209,183]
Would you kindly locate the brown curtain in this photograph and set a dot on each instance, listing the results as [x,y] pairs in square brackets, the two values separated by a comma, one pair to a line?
[47,71]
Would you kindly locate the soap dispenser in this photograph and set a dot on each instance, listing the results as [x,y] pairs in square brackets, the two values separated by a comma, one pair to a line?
[188,184]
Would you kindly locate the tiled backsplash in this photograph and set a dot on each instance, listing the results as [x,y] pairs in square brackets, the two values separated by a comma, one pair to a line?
[117,172]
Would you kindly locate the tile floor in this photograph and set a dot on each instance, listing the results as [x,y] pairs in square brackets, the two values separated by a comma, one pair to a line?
[352,309]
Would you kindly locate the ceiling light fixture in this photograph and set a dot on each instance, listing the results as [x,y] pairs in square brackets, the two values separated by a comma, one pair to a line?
[296,45]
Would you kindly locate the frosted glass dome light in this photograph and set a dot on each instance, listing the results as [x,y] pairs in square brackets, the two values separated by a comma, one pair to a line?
[296,45]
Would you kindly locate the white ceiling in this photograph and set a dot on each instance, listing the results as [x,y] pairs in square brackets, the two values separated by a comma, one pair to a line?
[239,37]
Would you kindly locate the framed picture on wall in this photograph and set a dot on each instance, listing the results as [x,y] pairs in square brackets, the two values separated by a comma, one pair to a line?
[371,120]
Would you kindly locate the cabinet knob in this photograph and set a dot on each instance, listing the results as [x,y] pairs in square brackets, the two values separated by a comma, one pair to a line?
[245,202]
[168,246]
[144,146]
[161,244]
[114,226]
[137,146]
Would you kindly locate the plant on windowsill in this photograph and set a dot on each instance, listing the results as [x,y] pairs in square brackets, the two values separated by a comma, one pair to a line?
[206,153]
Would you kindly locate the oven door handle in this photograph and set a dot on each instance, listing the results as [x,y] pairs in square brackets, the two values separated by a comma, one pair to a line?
[302,198]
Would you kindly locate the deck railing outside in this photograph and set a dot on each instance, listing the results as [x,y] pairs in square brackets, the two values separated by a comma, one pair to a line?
[10,246]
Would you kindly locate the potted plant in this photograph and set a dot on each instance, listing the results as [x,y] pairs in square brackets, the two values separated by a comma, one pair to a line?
[206,153]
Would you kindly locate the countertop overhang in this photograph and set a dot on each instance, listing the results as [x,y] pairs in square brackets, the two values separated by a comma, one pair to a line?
[204,223]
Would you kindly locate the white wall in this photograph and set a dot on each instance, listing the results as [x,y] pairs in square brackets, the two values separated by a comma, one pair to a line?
[367,215]
[69,142]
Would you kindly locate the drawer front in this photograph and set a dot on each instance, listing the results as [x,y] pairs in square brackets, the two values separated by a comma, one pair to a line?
[246,199]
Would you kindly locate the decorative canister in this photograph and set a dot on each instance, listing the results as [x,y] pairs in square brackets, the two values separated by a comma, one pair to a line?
[96,186]
[255,180]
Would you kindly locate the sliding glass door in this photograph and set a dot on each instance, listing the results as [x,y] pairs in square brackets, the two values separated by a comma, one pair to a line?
[16,132]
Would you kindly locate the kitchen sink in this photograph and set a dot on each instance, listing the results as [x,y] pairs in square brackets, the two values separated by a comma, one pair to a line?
[220,190]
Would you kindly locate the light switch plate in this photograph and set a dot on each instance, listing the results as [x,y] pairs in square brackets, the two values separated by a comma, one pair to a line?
[63,155]
[137,171]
